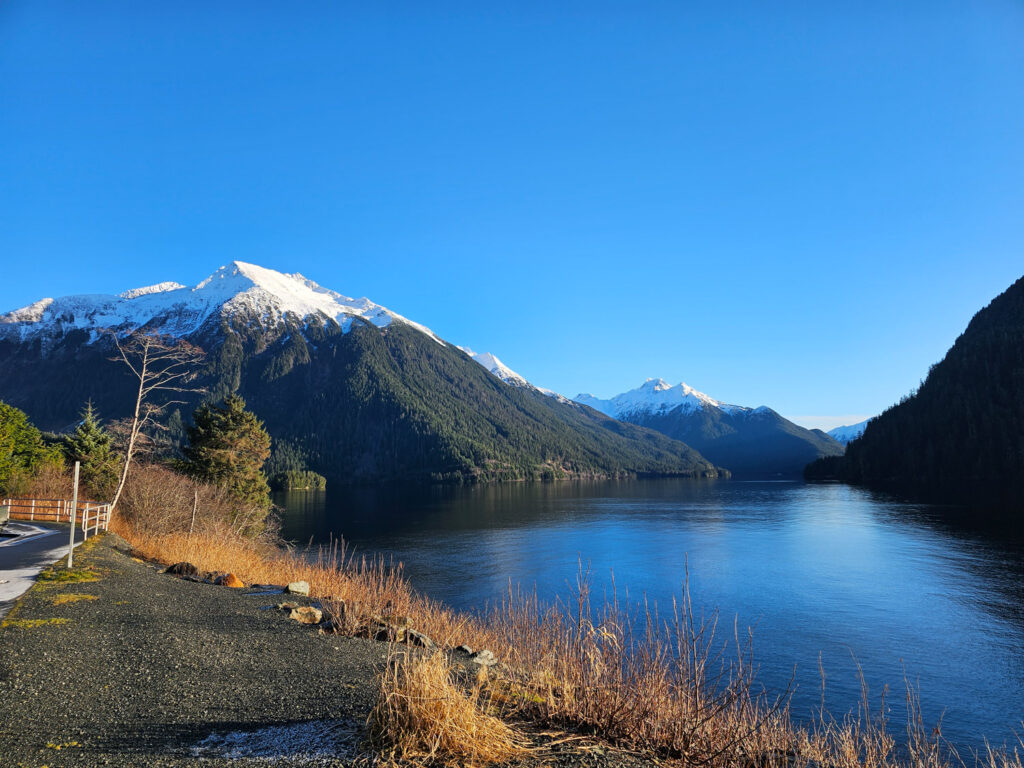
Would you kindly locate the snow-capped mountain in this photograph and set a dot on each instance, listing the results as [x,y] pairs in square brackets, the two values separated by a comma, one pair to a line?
[750,442]
[498,368]
[850,432]
[256,293]
[344,386]
[655,396]
[262,295]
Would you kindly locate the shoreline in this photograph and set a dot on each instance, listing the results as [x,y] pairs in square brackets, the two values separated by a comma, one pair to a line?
[235,625]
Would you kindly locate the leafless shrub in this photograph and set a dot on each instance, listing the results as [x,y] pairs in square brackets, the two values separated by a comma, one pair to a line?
[158,500]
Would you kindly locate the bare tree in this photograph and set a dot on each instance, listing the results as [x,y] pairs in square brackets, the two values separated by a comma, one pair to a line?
[162,365]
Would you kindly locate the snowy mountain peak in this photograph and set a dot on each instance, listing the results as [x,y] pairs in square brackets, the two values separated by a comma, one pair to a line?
[498,368]
[655,396]
[657,385]
[848,433]
[264,295]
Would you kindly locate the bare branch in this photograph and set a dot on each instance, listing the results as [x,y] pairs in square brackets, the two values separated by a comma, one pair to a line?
[160,364]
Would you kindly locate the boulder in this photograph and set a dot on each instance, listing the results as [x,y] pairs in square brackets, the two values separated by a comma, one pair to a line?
[182,569]
[229,580]
[298,588]
[287,606]
[484,658]
[306,615]
[464,649]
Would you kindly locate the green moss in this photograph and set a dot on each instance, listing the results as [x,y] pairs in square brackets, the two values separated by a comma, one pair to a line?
[54,576]
[70,597]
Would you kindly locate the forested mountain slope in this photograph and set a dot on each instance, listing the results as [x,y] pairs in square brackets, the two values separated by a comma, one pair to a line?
[960,437]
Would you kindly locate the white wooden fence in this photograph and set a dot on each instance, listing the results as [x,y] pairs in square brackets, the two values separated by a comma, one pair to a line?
[92,516]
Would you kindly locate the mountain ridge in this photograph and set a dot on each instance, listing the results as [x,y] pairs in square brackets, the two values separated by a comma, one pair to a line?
[360,392]
[959,438]
[749,442]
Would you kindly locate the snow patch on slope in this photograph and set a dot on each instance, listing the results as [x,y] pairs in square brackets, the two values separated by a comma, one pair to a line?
[498,368]
[158,288]
[848,433]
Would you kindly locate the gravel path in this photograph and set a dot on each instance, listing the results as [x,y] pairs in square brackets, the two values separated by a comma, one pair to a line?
[157,671]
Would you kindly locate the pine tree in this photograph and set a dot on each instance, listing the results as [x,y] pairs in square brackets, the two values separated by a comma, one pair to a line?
[22,449]
[92,445]
[227,447]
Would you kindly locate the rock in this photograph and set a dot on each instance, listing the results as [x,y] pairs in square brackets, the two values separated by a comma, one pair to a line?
[229,580]
[287,606]
[182,569]
[464,649]
[298,588]
[306,615]
[381,629]
[484,658]
[412,637]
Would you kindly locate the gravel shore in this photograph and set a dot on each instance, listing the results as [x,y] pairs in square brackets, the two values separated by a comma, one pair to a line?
[138,668]
[158,671]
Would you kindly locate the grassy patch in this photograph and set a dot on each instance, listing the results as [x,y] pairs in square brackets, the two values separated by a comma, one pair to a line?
[56,576]
[32,623]
[70,597]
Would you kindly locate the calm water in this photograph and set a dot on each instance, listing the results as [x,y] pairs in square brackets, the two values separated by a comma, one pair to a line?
[816,570]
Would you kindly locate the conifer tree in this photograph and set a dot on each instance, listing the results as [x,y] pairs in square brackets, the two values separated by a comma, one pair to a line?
[227,447]
[22,449]
[92,445]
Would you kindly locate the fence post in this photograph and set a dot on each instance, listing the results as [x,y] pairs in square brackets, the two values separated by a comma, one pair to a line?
[32,513]
[85,522]
[74,503]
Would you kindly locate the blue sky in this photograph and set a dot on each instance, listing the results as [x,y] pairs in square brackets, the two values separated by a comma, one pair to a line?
[794,204]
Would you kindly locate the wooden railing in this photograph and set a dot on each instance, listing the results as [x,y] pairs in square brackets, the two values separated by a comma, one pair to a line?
[92,516]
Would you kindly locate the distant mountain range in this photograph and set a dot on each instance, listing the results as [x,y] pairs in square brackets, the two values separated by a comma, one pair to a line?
[847,433]
[750,442]
[960,437]
[355,390]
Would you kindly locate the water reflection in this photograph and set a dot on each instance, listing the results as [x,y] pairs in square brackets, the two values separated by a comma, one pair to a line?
[827,570]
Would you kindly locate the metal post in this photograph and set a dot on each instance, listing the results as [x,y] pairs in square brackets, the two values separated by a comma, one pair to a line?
[74,503]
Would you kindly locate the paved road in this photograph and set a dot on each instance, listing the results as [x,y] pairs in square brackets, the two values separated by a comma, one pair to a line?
[22,557]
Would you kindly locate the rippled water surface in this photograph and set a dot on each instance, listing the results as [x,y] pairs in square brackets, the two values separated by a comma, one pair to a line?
[818,570]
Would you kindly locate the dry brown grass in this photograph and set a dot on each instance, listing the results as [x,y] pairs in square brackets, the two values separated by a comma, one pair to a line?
[663,684]
[423,716]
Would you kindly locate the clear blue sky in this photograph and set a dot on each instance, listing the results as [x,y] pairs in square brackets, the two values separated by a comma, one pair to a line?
[794,204]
